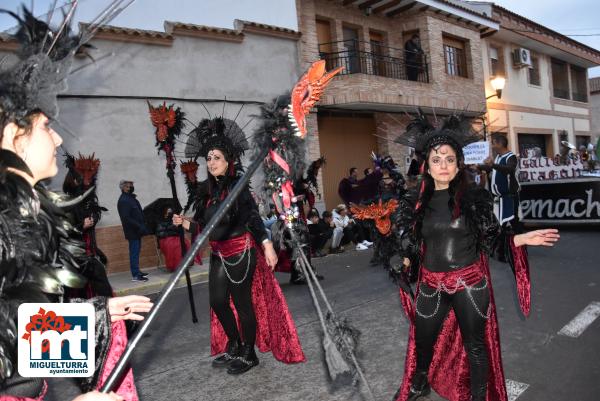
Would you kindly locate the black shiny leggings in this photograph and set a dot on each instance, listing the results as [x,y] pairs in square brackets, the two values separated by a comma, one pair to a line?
[472,329]
[220,289]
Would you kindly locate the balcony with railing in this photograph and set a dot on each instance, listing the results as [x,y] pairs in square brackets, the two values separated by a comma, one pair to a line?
[358,57]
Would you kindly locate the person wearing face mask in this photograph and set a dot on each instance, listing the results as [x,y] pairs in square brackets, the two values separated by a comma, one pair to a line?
[447,229]
[134,227]
[241,261]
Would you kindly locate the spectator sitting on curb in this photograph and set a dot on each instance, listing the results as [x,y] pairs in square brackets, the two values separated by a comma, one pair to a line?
[320,232]
[346,230]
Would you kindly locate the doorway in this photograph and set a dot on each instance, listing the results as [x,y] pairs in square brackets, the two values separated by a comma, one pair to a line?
[345,142]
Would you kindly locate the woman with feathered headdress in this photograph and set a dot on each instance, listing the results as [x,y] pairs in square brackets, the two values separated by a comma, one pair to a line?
[447,230]
[241,261]
[39,248]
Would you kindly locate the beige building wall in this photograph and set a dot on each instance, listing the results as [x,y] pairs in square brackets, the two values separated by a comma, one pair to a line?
[531,109]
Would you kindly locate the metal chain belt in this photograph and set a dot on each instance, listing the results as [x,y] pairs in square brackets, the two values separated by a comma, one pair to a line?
[442,287]
[224,263]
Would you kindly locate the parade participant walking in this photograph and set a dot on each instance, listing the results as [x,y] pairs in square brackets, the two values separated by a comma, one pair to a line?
[38,246]
[241,262]
[449,232]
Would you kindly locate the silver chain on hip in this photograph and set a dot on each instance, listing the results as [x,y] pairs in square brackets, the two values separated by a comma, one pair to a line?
[442,287]
[225,263]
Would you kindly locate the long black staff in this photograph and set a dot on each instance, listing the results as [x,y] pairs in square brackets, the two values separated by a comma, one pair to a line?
[169,123]
[189,256]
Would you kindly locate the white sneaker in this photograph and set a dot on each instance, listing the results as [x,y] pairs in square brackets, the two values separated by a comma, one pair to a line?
[367,243]
[361,247]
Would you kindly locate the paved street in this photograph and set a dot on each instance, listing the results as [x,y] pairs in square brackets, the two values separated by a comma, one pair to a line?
[173,362]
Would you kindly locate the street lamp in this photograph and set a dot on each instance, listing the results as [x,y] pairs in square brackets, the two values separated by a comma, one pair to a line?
[497,84]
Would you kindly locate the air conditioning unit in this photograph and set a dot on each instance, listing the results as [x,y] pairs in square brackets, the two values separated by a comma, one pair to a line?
[522,57]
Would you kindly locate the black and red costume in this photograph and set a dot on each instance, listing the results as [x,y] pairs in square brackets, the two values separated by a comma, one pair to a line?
[247,305]
[40,250]
[454,344]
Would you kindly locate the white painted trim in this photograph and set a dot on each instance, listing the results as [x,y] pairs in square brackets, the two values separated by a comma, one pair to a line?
[461,13]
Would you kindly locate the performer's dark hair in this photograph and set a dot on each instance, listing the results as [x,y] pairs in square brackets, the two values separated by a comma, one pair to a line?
[229,177]
[366,171]
[26,123]
[456,188]
[326,214]
[352,169]
[501,139]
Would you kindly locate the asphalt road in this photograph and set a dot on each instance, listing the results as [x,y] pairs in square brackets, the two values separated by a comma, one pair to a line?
[173,361]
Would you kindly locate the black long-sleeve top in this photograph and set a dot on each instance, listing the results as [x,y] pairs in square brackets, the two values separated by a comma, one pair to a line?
[449,243]
[242,217]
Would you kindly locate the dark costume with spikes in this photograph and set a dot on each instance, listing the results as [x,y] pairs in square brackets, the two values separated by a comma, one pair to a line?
[454,344]
[82,176]
[40,251]
[247,305]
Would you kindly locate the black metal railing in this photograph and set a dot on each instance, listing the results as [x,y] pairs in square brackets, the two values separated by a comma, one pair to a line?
[359,57]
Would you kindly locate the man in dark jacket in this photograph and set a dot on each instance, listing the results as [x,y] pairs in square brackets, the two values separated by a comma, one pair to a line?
[134,228]
[320,232]
[347,187]
[413,58]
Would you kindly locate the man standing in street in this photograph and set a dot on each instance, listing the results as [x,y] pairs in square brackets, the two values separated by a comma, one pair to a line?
[503,184]
[134,228]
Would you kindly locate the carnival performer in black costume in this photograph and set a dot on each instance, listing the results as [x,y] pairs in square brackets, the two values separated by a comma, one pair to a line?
[241,262]
[390,186]
[39,248]
[82,176]
[448,229]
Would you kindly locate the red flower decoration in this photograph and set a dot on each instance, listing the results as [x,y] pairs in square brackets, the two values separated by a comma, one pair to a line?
[44,321]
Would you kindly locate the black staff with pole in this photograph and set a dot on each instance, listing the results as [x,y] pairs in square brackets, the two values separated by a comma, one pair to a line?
[169,123]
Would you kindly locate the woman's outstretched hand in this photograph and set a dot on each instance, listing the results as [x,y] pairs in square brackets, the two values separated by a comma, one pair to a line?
[128,307]
[545,237]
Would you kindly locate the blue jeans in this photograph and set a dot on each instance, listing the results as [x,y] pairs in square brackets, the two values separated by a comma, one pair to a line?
[134,256]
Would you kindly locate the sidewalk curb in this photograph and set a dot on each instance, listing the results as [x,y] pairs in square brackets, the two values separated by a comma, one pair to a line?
[156,282]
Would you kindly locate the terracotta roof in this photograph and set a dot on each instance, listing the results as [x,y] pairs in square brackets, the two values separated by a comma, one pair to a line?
[248,25]
[134,32]
[192,29]
[594,85]
[237,34]
[544,30]
[173,29]
[7,42]
[118,33]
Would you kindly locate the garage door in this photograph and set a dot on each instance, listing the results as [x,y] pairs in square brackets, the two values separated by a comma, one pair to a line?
[345,142]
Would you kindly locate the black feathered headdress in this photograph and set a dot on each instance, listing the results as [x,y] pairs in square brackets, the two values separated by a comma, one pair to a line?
[45,59]
[217,133]
[423,134]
